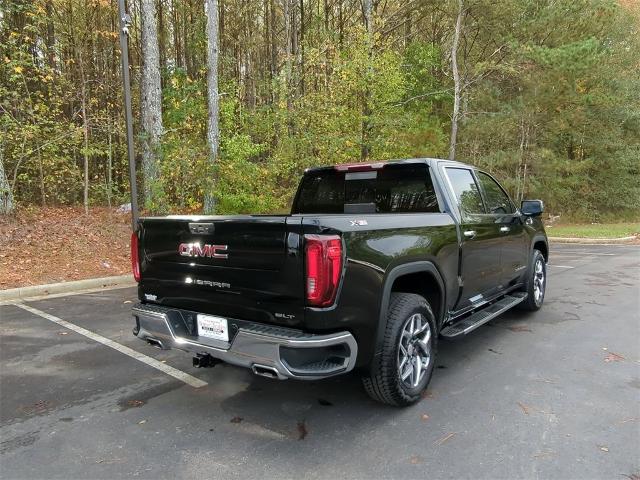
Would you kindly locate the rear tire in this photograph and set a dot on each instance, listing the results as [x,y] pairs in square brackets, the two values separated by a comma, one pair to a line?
[535,283]
[409,349]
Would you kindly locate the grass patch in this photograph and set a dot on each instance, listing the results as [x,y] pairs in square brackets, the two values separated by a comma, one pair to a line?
[596,230]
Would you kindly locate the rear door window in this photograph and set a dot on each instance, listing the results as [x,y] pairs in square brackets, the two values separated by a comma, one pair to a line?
[401,188]
[466,191]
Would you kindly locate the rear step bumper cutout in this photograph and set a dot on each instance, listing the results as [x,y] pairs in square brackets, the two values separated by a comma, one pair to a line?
[254,346]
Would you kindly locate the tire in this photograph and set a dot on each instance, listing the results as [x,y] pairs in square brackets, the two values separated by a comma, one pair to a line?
[535,283]
[410,323]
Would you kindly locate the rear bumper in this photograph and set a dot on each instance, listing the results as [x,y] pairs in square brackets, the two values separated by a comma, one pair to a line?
[286,352]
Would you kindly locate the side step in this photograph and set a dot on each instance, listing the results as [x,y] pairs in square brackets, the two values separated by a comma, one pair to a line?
[481,317]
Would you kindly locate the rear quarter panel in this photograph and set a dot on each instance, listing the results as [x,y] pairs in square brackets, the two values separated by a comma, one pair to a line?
[375,245]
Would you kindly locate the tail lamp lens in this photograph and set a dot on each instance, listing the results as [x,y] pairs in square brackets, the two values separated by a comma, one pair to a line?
[323,267]
[135,260]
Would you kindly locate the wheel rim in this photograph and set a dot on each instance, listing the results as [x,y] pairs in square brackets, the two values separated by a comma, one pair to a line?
[414,350]
[538,281]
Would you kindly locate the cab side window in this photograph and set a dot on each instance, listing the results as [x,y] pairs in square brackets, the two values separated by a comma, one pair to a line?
[466,191]
[498,202]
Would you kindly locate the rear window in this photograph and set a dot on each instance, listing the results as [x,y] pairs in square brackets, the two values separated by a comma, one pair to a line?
[394,188]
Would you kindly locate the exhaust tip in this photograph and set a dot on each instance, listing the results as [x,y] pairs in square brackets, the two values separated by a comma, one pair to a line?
[266,371]
[155,343]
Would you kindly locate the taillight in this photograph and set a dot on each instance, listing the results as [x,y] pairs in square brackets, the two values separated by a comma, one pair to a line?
[323,254]
[135,260]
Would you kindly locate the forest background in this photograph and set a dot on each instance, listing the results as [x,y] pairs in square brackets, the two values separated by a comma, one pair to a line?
[233,99]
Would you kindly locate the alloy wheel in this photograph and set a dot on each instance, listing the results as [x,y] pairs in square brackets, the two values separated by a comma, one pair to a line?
[414,350]
[538,281]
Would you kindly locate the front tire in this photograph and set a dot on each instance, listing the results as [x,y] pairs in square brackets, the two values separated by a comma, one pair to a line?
[536,283]
[408,353]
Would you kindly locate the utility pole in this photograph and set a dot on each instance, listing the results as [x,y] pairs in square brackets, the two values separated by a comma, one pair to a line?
[125,22]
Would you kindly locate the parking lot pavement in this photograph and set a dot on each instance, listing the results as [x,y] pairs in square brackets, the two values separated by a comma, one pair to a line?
[555,394]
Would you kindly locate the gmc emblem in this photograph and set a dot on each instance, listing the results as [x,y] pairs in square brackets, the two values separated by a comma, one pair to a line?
[196,250]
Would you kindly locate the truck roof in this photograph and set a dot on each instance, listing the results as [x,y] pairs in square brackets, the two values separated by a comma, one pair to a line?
[359,166]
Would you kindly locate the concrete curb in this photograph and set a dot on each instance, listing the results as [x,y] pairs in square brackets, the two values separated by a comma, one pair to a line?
[594,241]
[64,287]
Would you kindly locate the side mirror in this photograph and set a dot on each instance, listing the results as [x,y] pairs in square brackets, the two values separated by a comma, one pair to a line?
[532,208]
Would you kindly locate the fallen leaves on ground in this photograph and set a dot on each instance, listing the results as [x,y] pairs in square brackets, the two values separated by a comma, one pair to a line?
[416,460]
[627,420]
[236,420]
[444,439]
[613,357]
[135,403]
[632,476]
[424,417]
[525,408]
[427,394]
[544,454]
[520,328]
[76,246]
[39,407]
[544,380]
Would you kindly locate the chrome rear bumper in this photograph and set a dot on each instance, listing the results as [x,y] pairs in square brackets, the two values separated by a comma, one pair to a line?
[286,352]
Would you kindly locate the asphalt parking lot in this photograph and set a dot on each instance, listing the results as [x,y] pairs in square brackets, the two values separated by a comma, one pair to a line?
[555,394]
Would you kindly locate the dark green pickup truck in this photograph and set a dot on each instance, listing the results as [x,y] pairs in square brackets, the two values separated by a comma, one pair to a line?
[374,263]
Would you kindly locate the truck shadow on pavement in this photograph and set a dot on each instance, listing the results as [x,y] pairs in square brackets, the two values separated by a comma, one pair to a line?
[296,409]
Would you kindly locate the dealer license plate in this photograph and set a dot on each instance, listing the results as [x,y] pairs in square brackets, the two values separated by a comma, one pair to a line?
[213,327]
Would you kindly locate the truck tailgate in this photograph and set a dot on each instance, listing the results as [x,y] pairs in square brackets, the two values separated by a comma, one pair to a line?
[244,267]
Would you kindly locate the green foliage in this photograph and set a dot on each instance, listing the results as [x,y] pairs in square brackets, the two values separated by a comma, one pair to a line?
[561,124]
[549,104]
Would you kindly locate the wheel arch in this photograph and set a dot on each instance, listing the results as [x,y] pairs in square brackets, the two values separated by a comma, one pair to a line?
[422,278]
[540,243]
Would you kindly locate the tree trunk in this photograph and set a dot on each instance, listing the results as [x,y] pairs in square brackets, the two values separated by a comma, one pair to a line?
[288,31]
[456,82]
[189,41]
[249,81]
[50,37]
[340,24]
[109,168]
[6,195]
[85,133]
[150,101]
[43,196]
[213,133]
[162,36]
[274,49]
[177,49]
[365,147]
[301,48]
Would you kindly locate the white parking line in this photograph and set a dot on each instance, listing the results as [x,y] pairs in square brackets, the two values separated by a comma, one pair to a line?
[560,266]
[152,362]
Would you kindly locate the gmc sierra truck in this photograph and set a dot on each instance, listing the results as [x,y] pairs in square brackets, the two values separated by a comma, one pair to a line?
[375,262]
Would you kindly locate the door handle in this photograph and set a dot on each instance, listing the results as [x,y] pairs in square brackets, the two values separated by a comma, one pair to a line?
[469,233]
[505,229]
